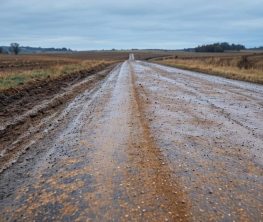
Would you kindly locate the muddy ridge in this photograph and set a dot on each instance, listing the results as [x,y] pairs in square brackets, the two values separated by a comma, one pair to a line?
[177,203]
[28,108]
[15,101]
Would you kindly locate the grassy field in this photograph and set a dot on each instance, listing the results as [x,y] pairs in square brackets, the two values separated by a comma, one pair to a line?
[12,79]
[240,66]
[18,71]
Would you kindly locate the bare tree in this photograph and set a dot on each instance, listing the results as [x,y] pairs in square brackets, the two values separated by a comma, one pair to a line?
[14,48]
[1,50]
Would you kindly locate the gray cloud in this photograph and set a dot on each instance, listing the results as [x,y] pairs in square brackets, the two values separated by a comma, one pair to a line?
[90,24]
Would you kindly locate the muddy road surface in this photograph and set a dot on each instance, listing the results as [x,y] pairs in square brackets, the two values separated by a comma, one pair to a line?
[146,143]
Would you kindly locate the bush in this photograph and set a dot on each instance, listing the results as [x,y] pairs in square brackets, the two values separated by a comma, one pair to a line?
[244,63]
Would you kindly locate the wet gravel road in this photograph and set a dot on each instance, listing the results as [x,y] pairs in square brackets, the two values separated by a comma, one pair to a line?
[148,143]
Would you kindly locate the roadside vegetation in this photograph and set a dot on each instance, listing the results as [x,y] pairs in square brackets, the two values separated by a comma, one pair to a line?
[239,66]
[17,78]
[18,71]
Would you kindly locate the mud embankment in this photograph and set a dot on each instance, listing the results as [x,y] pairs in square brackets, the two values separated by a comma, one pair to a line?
[23,111]
[18,100]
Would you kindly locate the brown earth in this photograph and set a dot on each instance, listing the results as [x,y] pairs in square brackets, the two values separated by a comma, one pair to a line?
[137,142]
[25,107]
[38,61]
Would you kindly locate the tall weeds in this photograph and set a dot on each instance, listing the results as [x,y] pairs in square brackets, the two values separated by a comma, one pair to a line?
[247,68]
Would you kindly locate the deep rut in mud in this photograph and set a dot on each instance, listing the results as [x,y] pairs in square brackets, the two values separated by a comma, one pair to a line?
[147,143]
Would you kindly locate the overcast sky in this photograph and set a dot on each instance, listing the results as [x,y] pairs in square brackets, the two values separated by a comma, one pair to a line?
[106,24]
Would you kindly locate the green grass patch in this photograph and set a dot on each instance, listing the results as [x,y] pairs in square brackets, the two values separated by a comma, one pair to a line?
[14,79]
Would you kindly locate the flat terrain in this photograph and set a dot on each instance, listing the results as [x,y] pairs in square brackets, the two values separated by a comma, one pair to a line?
[136,142]
[19,71]
[246,66]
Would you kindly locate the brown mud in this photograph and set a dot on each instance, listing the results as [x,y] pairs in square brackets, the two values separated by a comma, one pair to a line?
[142,143]
[28,107]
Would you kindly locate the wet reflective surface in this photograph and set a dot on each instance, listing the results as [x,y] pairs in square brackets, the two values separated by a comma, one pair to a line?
[150,143]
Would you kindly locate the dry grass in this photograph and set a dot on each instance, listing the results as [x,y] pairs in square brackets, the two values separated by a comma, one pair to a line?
[20,70]
[14,78]
[240,67]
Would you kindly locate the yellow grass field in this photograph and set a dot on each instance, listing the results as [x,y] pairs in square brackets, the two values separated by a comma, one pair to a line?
[248,67]
[12,79]
[18,71]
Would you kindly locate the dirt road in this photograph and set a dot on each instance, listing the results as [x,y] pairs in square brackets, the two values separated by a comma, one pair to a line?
[147,143]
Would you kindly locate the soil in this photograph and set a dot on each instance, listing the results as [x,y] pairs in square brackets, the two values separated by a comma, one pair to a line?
[25,107]
[138,142]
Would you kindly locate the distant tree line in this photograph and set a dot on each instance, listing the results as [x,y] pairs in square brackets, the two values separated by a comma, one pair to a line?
[15,48]
[220,47]
[257,48]
[49,49]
